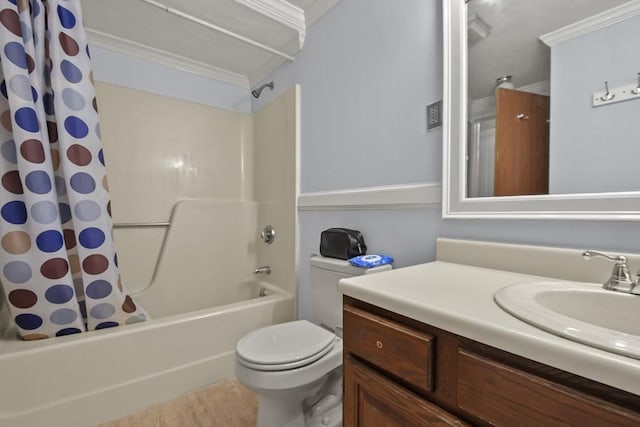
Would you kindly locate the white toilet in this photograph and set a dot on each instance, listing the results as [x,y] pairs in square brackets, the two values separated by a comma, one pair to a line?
[296,367]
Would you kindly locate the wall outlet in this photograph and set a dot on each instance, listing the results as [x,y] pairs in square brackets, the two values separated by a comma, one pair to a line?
[434,115]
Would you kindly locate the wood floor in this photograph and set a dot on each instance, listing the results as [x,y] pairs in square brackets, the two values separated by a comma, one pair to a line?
[227,404]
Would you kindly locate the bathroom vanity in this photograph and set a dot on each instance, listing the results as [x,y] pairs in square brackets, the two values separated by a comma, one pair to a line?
[427,345]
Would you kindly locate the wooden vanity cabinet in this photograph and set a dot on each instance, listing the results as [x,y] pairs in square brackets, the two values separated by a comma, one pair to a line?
[371,399]
[402,373]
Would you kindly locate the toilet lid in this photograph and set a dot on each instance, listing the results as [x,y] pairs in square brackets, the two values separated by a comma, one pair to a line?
[289,365]
[285,344]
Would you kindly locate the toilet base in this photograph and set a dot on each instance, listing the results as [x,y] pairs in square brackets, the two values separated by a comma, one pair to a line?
[332,418]
[318,404]
[274,411]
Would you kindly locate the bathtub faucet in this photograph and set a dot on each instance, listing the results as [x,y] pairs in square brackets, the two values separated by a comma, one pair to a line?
[266,269]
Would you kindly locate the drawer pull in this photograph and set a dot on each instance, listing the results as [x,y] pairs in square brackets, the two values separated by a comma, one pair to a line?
[379,344]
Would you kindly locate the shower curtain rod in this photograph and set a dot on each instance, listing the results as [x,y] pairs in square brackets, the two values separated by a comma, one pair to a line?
[214,27]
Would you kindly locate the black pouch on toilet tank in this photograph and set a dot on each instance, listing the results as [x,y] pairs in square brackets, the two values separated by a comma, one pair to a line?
[342,243]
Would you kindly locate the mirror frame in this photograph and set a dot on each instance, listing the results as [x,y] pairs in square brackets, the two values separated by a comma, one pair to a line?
[623,206]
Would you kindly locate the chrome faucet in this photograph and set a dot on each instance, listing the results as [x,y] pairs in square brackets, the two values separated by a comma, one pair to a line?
[620,279]
[265,269]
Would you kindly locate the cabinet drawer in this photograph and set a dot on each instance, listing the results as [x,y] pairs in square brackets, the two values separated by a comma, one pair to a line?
[390,346]
[505,396]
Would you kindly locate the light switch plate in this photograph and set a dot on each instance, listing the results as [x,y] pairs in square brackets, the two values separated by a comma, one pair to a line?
[434,115]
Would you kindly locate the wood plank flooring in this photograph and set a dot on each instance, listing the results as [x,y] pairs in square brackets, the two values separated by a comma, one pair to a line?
[226,404]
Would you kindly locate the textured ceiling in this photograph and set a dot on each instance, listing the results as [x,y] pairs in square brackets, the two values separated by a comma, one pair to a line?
[512,46]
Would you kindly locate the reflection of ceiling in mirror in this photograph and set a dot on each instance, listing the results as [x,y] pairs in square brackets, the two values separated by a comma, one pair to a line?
[511,46]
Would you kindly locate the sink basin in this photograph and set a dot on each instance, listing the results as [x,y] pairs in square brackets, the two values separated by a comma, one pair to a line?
[581,312]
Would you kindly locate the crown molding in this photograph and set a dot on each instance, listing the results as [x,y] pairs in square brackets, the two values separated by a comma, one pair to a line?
[482,108]
[138,50]
[541,88]
[406,196]
[280,11]
[317,9]
[593,23]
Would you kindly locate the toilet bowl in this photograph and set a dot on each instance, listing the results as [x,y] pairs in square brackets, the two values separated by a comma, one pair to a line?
[295,368]
[298,379]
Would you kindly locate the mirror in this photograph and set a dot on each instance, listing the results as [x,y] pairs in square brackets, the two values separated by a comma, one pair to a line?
[582,146]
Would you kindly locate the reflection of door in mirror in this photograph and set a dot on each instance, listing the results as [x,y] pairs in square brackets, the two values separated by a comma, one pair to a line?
[480,157]
[522,143]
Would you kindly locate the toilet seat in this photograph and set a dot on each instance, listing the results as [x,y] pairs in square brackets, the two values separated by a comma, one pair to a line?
[286,366]
[284,346]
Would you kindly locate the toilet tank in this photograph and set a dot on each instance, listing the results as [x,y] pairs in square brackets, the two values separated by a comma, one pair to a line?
[327,300]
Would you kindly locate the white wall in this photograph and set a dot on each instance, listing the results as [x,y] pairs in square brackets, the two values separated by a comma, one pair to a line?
[594,149]
[367,71]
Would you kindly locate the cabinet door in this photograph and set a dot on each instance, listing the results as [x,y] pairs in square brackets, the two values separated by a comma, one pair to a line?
[505,396]
[373,400]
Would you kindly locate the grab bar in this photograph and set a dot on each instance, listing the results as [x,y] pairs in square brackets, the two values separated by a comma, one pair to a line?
[140,224]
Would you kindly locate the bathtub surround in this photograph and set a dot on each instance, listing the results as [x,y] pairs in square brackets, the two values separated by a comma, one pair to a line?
[59,265]
[188,151]
[276,133]
[183,151]
[195,250]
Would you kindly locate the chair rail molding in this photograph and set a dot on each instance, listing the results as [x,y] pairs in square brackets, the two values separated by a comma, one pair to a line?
[403,196]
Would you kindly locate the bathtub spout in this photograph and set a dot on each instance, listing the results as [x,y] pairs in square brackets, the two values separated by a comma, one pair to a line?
[263,270]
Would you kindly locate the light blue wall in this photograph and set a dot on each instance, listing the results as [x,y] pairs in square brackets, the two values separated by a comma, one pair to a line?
[595,149]
[128,71]
[367,71]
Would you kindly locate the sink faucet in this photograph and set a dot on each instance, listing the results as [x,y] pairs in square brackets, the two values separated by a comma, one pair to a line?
[266,269]
[620,279]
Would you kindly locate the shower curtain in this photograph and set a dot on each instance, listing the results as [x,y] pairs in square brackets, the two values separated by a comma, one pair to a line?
[58,265]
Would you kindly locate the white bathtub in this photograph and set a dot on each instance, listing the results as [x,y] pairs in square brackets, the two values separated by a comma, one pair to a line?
[86,379]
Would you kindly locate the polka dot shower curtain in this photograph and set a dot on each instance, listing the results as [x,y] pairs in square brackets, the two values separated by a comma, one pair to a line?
[58,265]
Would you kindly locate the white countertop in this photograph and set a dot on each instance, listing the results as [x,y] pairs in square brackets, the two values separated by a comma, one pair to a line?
[459,299]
